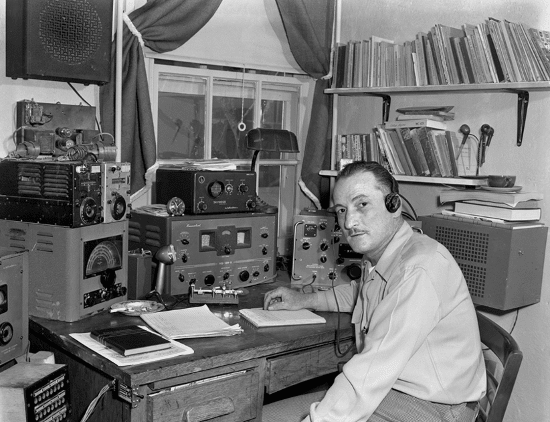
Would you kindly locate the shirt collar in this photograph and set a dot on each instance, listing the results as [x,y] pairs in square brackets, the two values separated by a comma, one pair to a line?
[390,257]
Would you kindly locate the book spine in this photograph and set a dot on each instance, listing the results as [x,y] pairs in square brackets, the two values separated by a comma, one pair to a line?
[428,152]
[415,139]
[401,152]
[452,142]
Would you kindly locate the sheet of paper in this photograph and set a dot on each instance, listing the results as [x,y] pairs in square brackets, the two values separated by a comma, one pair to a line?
[189,323]
[177,349]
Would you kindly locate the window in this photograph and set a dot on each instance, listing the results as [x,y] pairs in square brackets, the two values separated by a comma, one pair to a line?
[205,113]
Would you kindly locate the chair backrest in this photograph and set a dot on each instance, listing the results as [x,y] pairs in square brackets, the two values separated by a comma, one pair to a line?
[501,374]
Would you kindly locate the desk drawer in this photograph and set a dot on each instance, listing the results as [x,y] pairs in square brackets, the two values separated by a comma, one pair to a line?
[287,370]
[234,397]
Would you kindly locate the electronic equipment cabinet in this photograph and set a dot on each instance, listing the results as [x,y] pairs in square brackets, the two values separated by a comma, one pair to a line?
[223,380]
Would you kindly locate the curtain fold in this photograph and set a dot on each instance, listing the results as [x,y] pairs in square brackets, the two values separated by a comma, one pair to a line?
[308,25]
[164,25]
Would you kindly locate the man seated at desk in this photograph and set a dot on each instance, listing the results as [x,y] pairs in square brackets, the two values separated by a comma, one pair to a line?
[419,352]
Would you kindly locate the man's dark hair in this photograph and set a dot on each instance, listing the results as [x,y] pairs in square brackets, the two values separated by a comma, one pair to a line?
[380,173]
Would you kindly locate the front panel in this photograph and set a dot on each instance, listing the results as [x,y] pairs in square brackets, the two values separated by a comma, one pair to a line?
[73,272]
[232,250]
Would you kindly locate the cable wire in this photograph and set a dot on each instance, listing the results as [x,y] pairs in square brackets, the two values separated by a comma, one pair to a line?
[93,403]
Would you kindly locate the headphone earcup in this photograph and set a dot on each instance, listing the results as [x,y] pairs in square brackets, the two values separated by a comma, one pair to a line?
[393,202]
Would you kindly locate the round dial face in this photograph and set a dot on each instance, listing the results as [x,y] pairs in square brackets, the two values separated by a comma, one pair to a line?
[175,206]
[215,189]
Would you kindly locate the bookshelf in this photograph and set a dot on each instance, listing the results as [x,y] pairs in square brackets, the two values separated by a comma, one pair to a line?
[451,181]
[521,89]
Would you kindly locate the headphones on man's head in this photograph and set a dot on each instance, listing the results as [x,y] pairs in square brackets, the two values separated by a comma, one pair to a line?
[393,200]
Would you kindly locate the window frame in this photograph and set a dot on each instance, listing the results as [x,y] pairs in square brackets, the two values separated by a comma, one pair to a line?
[289,167]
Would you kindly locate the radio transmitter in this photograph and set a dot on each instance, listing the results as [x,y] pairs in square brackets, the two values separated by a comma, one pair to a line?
[65,193]
[14,307]
[320,258]
[73,272]
[229,250]
[207,191]
[115,187]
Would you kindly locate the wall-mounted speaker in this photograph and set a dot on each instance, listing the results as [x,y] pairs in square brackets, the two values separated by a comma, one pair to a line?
[59,40]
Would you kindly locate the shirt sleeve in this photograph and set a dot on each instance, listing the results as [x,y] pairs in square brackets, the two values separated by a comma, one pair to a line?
[398,327]
[340,298]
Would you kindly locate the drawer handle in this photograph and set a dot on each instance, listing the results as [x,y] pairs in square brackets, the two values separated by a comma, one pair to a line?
[209,410]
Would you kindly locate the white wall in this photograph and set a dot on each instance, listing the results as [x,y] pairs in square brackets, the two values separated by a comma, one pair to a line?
[400,20]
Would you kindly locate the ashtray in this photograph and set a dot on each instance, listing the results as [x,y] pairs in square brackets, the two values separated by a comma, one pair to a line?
[137,307]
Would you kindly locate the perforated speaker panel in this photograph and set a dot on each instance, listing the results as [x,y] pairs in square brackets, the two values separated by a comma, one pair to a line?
[60,40]
[470,249]
[70,31]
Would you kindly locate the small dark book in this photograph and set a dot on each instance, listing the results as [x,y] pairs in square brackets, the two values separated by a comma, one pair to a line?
[130,340]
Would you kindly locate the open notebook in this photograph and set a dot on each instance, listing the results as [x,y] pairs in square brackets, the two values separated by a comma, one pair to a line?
[263,318]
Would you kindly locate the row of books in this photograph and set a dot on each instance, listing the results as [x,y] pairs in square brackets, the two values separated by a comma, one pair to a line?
[405,147]
[490,52]
[497,206]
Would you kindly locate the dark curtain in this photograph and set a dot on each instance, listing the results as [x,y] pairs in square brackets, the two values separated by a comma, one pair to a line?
[164,25]
[308,26]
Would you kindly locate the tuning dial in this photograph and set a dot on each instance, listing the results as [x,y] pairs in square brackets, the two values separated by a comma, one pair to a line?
[202,206]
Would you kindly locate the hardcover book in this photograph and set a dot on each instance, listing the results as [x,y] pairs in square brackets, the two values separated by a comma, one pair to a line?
[510,198]
[130,340]
[429,123]
[507,214]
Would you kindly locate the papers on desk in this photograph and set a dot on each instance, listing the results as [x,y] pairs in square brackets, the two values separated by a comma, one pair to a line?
[176,349]
[190,323]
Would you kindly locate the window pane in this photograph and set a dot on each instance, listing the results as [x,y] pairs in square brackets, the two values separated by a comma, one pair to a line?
[279,109]
[181,114]
[232,117]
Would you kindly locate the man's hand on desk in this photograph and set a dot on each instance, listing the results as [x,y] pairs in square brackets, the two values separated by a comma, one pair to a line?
[285,298]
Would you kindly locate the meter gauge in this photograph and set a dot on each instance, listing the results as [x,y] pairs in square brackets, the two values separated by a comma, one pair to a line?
[101,255]
[215,189]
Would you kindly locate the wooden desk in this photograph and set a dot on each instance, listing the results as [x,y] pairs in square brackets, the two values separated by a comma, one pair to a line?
[224,379]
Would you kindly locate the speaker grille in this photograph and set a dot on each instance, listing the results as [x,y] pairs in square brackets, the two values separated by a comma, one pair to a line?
[470,249]
[70,31]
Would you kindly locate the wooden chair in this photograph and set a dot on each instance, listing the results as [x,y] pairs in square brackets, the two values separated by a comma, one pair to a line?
[501,372]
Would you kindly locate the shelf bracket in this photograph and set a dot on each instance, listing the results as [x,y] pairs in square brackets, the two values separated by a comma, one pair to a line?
[523,103]
[386,103]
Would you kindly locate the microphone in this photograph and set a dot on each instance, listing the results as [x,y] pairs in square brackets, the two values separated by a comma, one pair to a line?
[465,130]
[166,255]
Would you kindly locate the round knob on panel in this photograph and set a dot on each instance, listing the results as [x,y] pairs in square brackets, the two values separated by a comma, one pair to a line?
[209,280]
[331,275]
[184,257]
[225,276]
[229,188]
[323,259]
[202,206]
[181,277]
[264,235]
[185,241]
[340,260]
[264,250]
[244,275]
[6,333]
[306,245]
[243,188]
[324,246]
[336,239]
[250,204]
[227,250]
[266,268]
[323,226]
[255,274]
[108,278]
[353,271]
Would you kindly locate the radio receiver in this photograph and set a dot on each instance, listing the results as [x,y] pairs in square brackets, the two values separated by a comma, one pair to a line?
[218,251]
[73,272]
[207,191]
